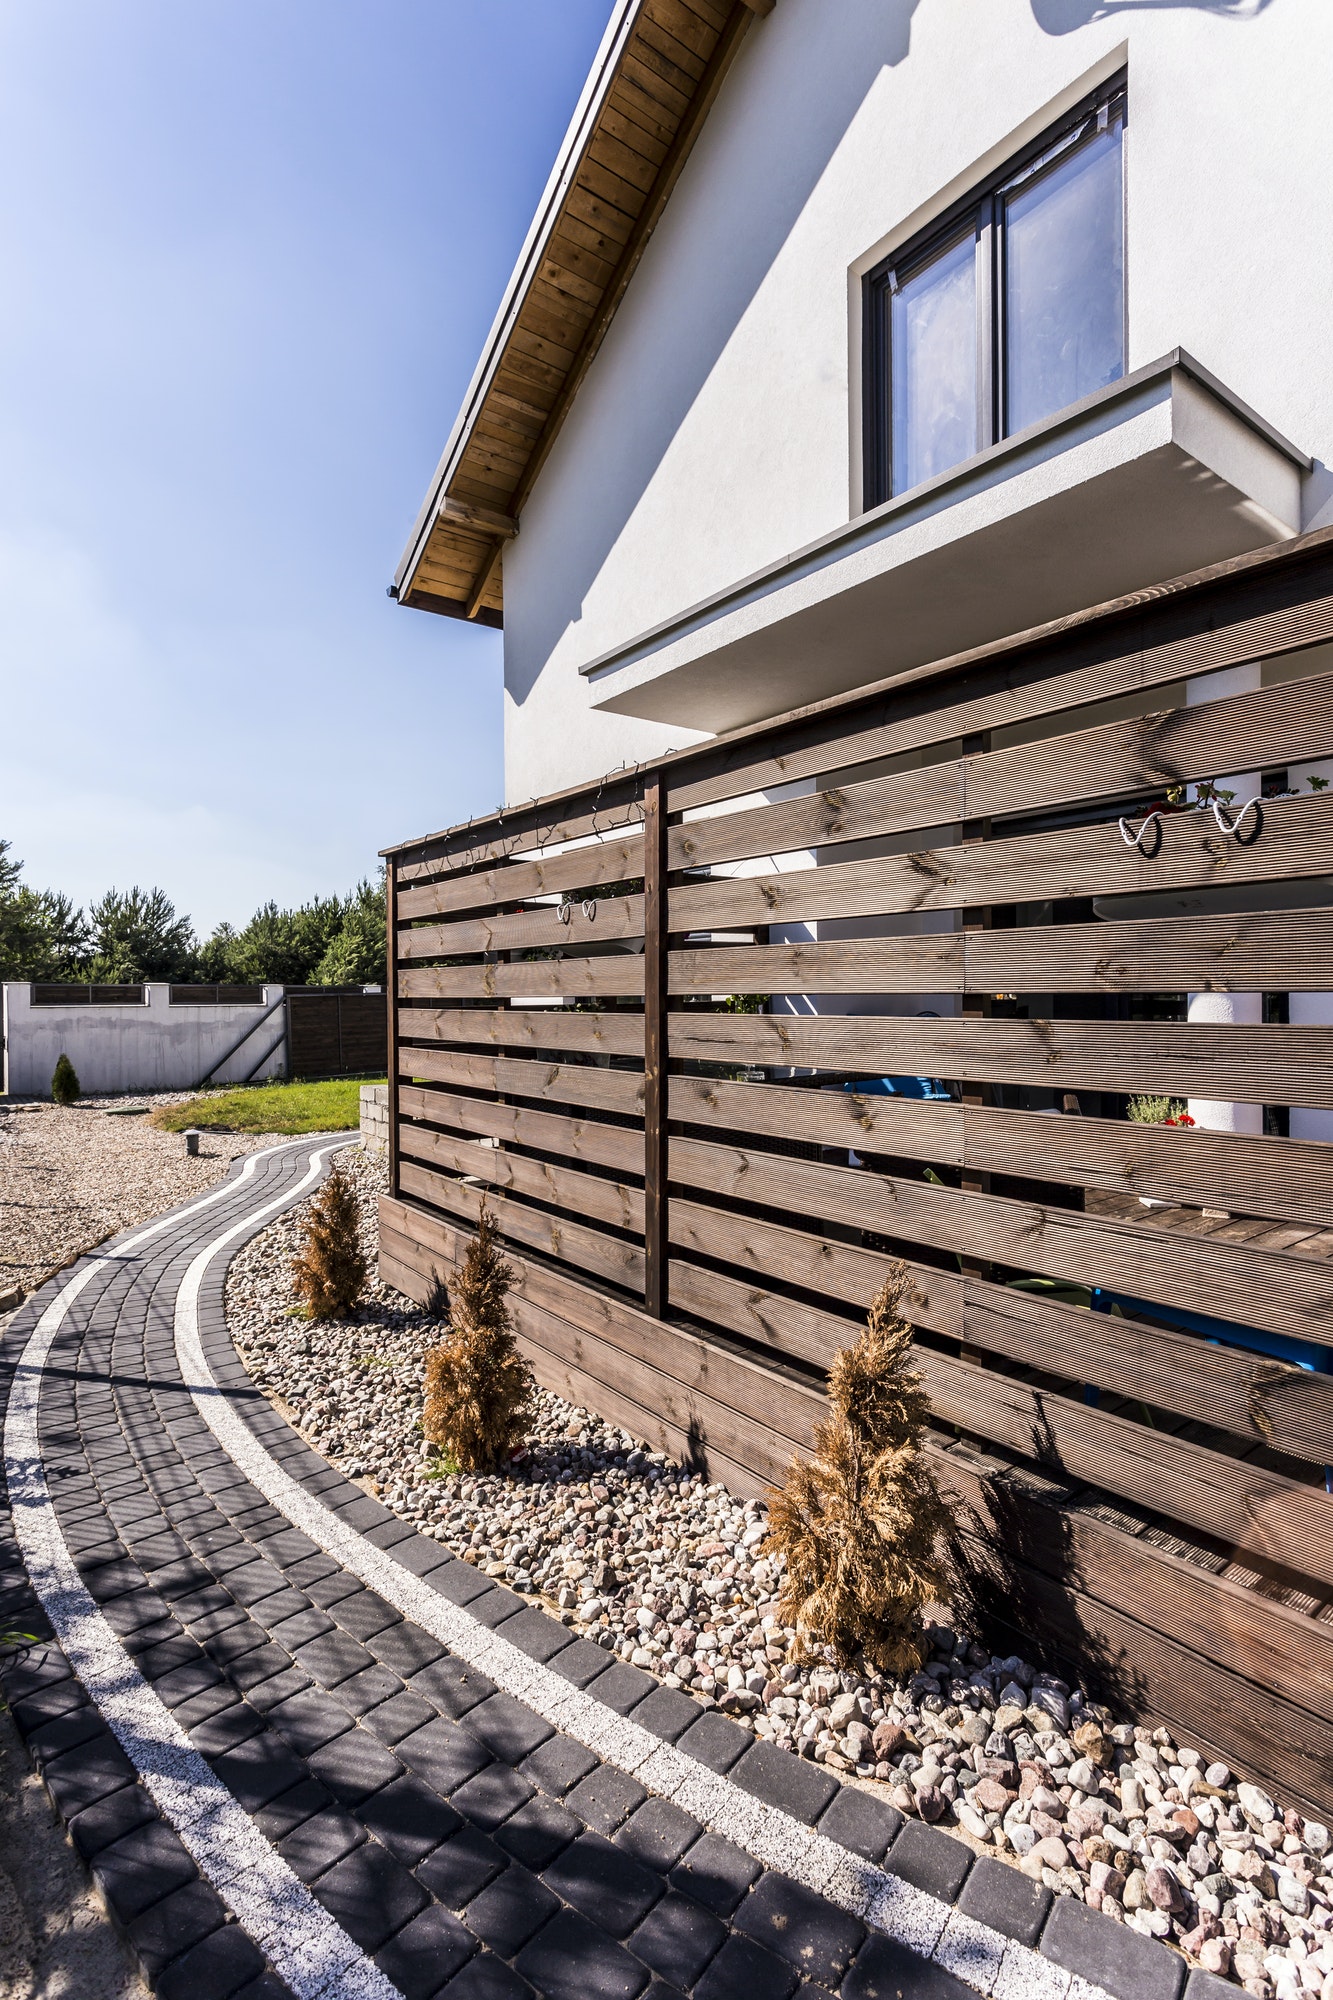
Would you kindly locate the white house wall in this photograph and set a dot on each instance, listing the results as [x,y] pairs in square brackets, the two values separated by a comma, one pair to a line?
[716,431]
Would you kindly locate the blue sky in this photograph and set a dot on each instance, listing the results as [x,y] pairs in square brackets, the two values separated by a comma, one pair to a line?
[251,249]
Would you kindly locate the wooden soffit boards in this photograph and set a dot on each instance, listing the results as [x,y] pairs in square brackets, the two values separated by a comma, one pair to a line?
[656,76]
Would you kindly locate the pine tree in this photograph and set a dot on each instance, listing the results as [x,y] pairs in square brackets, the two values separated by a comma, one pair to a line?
[859,1525]
[479,1389]
[64,1082]
[330,1272]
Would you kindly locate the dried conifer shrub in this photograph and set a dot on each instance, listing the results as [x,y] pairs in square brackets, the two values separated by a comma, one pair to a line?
[329,1274]
[479,1389]
[64,1082]
[860,1524]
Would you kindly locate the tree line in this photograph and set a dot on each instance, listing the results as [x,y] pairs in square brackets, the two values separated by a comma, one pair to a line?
[129,935]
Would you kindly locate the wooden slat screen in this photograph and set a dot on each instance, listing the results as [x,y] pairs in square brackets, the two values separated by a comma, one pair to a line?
[714,1081]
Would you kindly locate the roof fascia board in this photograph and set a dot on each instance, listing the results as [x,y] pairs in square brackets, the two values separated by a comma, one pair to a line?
[587,112]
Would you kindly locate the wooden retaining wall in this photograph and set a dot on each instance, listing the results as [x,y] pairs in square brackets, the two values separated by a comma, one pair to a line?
[627,1018]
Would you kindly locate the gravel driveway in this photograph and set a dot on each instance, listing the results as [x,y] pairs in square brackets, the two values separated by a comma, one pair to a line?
[70,1176]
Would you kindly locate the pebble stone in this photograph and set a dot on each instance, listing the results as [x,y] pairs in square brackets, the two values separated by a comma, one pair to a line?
[670,1573]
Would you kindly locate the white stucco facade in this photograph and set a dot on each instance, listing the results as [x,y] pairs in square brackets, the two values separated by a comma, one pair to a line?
[717,432]
[144,1045]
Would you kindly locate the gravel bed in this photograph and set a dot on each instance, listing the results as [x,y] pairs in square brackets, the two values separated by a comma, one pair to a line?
[70,1176]
[669,1572]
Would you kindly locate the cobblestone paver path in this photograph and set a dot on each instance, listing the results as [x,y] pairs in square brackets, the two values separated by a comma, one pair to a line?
[306,1752]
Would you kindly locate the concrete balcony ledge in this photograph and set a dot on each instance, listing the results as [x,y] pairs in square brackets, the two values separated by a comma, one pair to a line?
[1162,473]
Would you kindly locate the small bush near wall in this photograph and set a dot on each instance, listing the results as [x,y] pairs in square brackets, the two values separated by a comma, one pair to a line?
[64,1082]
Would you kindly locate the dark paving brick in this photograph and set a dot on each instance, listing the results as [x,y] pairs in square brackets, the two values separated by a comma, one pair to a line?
[509,1910]
[1120,1960]
[461,1583]
[444,1753]
[276,1610]
[1006,1900]
[254,1582]
[817,1940]
[557,1764]
[713,1740]
[291,1809]
[328,1589]
[170,1656]
[667,1712]
[488,1799]
[319,1841]
[715,1873]
[392,1720]
[260,1770]
[572,1960]
[278,1688]
[607,1884]
[462,1867]
[301,1630]
[172,1926]
[421,1556]
[364,1614]
[508,1728]
[226,1964]
[742,1970]
[497,1608]
[333,1657]
[98,1825]
[799,1787]
[409,1819]
[623,1688]
[931,1860]
[371,1895]
[885,1969]
[83,1776]
[605,1797]
[355,1765]
[538,1635]
[141,1868]
[537,1832]
[425,1953]
[231,1642]
[309,1721]
[1203,1985]
[581,1663]
[67,1732]
[658,1833]
[677,1939]
[226,1730]
[369,1689]
[866,1824]
[453,1686]
[404,1648]
[487,1977]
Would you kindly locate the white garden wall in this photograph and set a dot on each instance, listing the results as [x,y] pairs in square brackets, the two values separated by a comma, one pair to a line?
[148,1045]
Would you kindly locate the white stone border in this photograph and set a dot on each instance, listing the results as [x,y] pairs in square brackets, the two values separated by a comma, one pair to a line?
[988,1961]
[309,1949]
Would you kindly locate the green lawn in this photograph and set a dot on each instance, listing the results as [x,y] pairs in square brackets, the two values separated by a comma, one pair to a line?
[271,1107]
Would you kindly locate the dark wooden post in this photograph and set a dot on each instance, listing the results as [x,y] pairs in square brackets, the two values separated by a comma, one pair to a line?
[391,996]
[655,1231]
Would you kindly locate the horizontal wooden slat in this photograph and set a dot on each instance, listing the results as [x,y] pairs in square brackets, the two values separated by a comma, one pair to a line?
[592,1250]
[1071,664]
[603,918]
[1296,841]
[1285,1178]
[578,868]
[1290,723]
[1268,1402]
[614,1033]
[586,1195]
[474,846]
[589,1086]
[1285,951]
[616,1146]
[539,978]
[1262,1288]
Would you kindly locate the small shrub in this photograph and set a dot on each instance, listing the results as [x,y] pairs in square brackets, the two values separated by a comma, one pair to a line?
[330,1272]
[860,1524]
[479,1389]
[1150,1110]
[64,1082]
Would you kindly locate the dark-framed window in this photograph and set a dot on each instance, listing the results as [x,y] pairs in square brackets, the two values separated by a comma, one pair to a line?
[1008,309]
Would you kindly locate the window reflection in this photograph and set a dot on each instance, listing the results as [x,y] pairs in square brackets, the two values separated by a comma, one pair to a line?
[934,335]
[1064,282]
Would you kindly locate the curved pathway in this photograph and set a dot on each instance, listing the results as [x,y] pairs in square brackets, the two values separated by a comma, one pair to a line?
[306,1752]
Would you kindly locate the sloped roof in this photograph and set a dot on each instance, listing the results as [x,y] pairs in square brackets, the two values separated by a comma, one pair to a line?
[654,80]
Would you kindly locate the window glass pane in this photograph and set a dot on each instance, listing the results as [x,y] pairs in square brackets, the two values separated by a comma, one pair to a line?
[934,367]
[1064,282]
